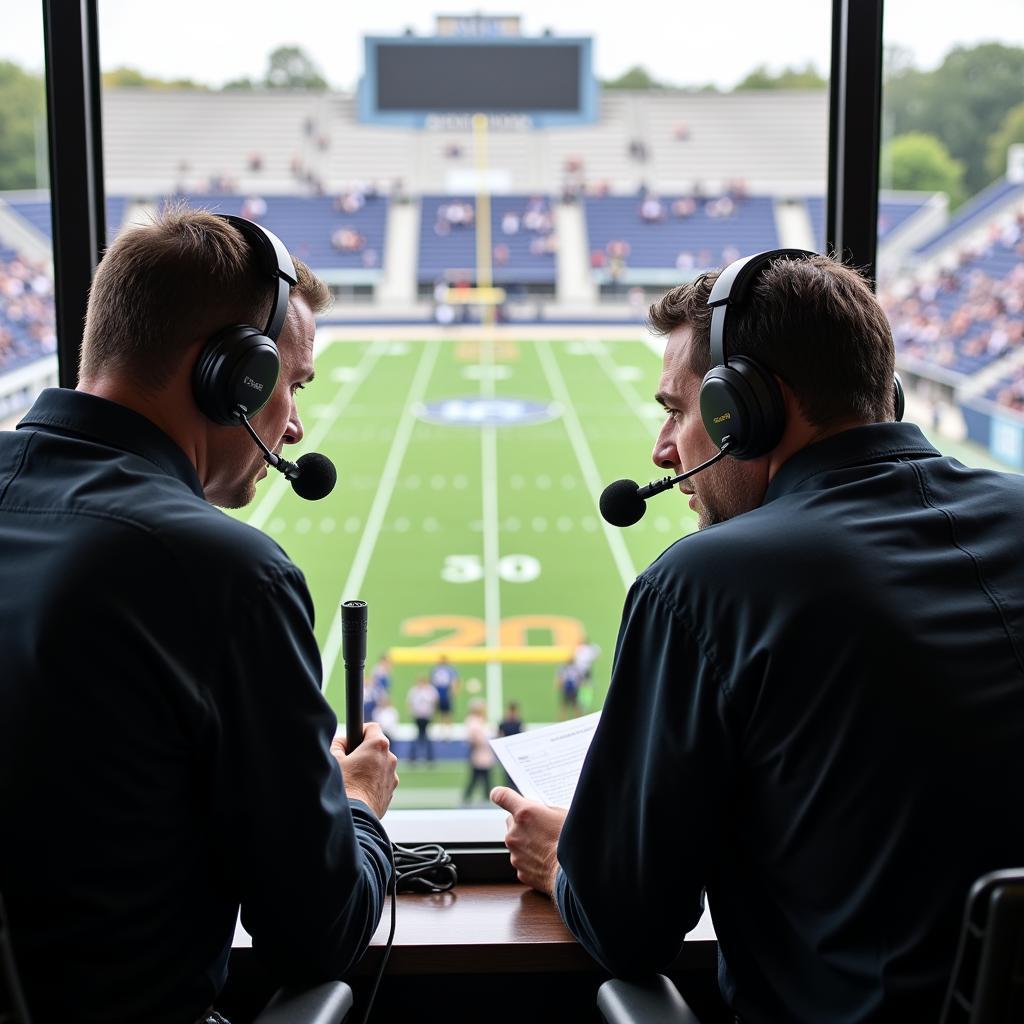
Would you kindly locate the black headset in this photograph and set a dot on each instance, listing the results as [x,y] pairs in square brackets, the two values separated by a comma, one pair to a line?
[238,368]
[740,401]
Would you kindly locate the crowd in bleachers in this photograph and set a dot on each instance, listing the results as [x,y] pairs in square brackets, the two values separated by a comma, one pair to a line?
[27,324]
[970,314]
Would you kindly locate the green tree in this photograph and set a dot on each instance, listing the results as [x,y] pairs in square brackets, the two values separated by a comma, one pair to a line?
[1011,131]
[806,77]
[963,102]
[289,67]
[636,77]
[132,78]
[921,163]
[22,115]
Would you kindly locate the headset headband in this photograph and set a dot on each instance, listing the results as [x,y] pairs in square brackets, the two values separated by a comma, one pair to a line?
[274,261]
[731,288]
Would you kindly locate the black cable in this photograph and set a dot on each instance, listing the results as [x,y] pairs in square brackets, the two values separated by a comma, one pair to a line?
[427,868]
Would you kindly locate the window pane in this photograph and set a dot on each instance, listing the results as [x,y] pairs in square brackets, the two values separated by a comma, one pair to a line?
[471,461]
[28,341]
[951,223]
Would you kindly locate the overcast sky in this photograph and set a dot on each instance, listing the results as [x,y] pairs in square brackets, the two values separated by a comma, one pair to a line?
[683,43]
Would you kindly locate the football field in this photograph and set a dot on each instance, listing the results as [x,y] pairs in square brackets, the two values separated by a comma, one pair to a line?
[466,507]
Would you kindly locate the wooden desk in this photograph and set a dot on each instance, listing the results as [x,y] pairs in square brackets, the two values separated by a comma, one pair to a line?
[495,928]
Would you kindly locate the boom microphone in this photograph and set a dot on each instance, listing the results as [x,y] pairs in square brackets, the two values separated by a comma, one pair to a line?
[313,477]
[624,502]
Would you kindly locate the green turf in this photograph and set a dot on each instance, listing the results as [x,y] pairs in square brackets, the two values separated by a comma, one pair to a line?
[411,494]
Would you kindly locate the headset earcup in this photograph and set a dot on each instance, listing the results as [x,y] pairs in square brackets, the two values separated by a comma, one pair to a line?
[899,398]
[238,366]
[742,401]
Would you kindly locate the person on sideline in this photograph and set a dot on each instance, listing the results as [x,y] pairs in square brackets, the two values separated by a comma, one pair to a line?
[816,708]
[166,755]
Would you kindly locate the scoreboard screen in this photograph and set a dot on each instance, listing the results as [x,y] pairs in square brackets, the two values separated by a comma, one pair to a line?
[408,79]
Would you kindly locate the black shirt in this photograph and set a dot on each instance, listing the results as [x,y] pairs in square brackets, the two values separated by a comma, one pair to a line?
[164,745]
[816,715]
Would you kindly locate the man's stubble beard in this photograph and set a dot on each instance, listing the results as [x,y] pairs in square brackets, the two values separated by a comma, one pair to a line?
[722,495]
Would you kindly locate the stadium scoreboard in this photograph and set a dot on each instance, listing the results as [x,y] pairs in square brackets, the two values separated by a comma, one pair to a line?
[411,81]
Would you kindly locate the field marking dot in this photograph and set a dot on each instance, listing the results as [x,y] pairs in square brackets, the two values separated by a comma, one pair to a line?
[431,525]
[565,524]
[398,348]
[413,482]
[517,481]
[477,526]
[303,525]
[543,482]
[512,524]
[460,481]
[539,524]
[437,482]
[327,524]
[276,525]
[402,524]
[589,523]
[342,374]
[568,481]
[662,523]
[352,524]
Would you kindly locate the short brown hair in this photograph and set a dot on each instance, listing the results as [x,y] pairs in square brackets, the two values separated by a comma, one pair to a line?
[163,286]
[814,322]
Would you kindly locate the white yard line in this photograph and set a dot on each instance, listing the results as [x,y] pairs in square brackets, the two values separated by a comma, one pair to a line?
[266,505]
[492,581]
[374,521]
[645,408]
[585,458]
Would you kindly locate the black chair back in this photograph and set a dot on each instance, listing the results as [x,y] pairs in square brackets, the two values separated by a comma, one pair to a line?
[12,1001]
[987,985]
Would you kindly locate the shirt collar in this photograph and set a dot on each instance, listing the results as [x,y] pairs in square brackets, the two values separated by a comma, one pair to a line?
[109,423]
[874,442]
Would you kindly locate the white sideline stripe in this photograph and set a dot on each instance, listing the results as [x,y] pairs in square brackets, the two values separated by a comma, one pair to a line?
[630,395]
[585,458]
[492,581]
[266,505]
[375,520]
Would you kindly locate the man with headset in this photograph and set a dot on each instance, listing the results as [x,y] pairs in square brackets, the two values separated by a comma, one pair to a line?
[816,712]
[166,755]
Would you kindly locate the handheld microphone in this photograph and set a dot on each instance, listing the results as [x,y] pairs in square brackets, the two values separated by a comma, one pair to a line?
[624,502]
[353,654]
[313,477]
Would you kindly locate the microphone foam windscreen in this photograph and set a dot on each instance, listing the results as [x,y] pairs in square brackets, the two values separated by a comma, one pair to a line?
[621,505]
[317,477]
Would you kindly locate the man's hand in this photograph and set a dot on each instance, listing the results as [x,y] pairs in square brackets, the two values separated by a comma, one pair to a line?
[531,835]
[368,773]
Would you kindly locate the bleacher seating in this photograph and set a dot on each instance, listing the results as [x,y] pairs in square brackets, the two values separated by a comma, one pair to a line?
[447,247]
[974,213]
[892,214]
[37,213]
[307,225]
[972,315]
[695,242]
[27,326]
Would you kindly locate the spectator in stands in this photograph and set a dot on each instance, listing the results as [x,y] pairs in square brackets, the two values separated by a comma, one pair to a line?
[652,210]
[348,239]
[254,207]
[510,223]
[180,641]
[27,321]
[684,207]
[254,162]
[816,711]
[385,714]
[501,254]
[681,131]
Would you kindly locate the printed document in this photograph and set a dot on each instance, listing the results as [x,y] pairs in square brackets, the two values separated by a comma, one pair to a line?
[545,763]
